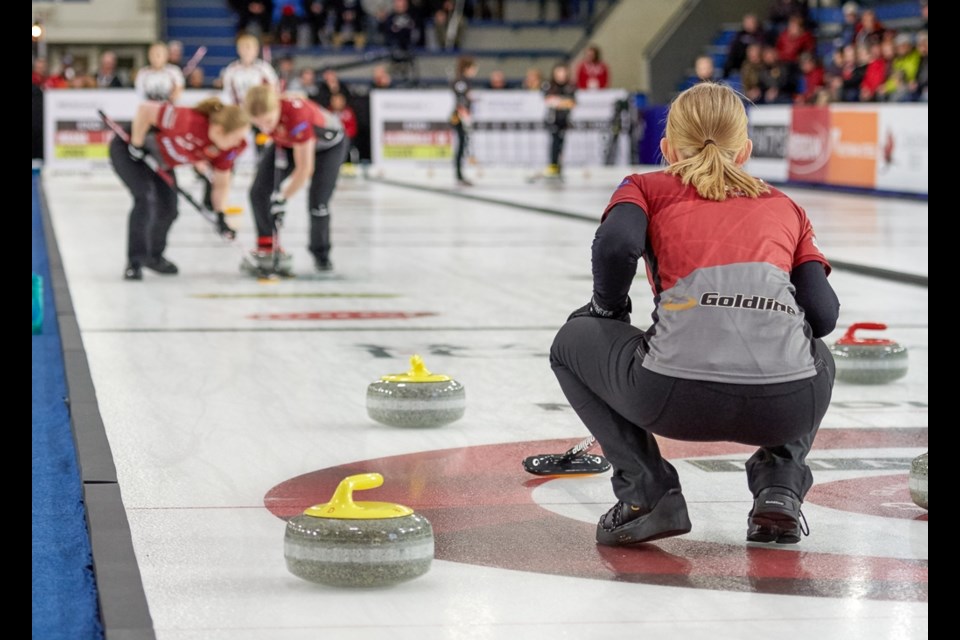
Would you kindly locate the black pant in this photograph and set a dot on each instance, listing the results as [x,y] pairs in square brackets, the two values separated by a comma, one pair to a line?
[322,184]
[154,205]
[462,142]
[598,363]
[557,136]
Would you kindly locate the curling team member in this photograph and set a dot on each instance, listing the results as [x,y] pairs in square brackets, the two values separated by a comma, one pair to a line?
[309,145]
[164,136]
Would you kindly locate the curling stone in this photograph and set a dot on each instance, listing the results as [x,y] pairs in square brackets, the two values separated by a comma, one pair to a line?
[358,544]
[416,398]
[918,480]
[868,360]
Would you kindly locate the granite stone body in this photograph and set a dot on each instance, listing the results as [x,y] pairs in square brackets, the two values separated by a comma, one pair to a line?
[416,404]
[918,480]
[357,552]
[870,364]
[868,360]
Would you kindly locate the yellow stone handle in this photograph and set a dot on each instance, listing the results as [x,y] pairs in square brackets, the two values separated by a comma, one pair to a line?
[342,506]
[418,373]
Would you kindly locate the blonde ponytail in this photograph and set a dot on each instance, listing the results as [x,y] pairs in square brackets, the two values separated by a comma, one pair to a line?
[707,130]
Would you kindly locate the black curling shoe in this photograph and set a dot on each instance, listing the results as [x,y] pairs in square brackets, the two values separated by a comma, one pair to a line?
[776,517]
[161,265]
[626,524]
[133,272]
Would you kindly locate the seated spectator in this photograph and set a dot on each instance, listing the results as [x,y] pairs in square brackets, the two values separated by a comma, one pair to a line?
[875,73]
[498,80]
[381,77]
[329,86]
[777,80]
[106,77]
[175,53]
[306,83]
[349,24]
[287,26]
[782,10]
[903,70]
[868,29]
[593,72]
[750,72]
[811,79]
[39,71]
[339,106]
[850,26]
[919,86]
[533,79]
[317,16]
[63,74]
[285,72]
[751,32]
[253,16]
[795,40]
[846,84]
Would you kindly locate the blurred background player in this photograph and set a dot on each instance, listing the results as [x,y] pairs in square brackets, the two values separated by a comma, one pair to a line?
[309,145]
[560,98]
[165,136]
[460,118]
[159,80]
[248,70]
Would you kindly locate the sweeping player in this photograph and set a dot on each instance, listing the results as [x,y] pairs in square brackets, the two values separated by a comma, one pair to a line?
[309,145]
[163,136]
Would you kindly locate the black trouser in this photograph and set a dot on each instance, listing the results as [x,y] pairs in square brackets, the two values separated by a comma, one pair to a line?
[598,363]
[462,142]
[154,204]
[326,170]
[557,135]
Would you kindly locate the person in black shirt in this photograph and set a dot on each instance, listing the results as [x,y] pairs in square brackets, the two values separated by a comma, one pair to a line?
[560,100]
[460,118]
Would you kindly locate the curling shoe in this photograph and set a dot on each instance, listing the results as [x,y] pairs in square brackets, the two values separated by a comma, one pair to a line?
[626,524]
[776,517]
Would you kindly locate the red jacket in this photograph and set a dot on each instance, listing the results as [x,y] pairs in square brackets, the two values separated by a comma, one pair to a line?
[593,75]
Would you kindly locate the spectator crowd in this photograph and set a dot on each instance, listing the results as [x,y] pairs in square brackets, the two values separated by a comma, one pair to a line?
[789,58]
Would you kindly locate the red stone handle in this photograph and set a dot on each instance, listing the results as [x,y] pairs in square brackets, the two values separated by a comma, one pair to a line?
[850,338]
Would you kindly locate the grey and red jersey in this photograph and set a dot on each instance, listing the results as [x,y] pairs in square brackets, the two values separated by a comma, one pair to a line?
[238,78]
[720,275]
[302,119]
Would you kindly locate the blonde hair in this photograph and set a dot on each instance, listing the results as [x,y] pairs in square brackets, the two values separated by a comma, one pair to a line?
[261,99]
[228,116]
[707,129]
[248,38]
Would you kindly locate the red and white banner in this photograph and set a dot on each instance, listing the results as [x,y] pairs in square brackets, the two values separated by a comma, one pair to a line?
[870,146]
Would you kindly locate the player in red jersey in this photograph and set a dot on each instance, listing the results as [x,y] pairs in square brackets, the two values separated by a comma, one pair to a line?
[308,146]
[734,352]
[165,136]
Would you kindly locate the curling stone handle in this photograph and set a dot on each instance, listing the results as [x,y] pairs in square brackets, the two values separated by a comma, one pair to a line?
[343,496]
[850,338]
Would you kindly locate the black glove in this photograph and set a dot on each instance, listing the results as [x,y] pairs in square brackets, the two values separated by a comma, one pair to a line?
[225,230]
[593,310]
[137,153]
[140,154]
[278,208]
